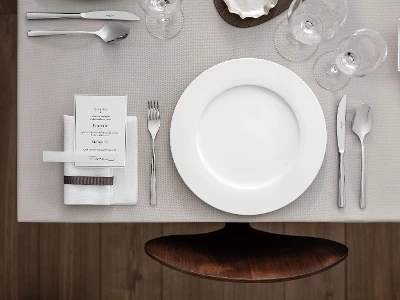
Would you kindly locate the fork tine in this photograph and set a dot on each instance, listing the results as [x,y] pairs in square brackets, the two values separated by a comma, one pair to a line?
[150,111]
[154,111]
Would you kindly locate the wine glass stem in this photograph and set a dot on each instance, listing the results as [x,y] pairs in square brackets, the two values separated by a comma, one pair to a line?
[308,27]
[293,41]
[164,22]
[333,70]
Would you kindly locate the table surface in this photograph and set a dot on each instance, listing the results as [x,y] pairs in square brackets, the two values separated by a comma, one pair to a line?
[51,70]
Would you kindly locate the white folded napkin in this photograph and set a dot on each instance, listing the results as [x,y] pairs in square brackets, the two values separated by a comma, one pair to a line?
[125,187]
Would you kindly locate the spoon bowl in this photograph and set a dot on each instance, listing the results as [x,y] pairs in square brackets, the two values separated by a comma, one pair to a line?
[362,121]
[113,32]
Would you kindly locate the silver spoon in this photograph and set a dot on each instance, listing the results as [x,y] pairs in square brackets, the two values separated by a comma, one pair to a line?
[361,125]
[109,33]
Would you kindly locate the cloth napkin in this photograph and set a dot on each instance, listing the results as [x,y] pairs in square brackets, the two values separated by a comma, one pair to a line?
[124,190]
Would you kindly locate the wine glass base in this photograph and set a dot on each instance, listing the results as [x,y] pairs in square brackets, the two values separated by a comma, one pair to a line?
[327,74]
[165,28]
[289,47]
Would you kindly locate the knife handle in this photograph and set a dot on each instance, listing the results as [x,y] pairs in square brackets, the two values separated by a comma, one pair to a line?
[41,16]
[342,200]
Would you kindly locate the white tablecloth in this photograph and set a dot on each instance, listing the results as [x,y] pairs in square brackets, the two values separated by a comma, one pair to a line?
[51,70]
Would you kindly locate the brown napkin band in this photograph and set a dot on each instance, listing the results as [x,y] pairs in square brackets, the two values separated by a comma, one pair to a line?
[87,180]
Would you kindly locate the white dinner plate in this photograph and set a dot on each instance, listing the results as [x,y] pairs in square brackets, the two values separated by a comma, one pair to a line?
[248,136]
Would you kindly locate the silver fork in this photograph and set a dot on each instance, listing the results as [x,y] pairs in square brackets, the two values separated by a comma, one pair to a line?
[153,123]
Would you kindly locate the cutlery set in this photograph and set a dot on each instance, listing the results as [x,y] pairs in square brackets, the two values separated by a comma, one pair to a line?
[109,33]
[361,126]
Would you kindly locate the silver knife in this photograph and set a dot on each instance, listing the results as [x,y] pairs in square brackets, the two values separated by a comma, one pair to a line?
[341,140]
[98,15]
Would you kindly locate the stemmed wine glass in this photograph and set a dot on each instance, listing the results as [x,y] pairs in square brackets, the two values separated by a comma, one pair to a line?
[358,55]
[308,23]
[164,18]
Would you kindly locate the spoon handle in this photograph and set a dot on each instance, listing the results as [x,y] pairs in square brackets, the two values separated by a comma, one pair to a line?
[363,203]
[49,32]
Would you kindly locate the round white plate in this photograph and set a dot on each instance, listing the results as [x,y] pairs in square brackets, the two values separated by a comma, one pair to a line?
[248,136]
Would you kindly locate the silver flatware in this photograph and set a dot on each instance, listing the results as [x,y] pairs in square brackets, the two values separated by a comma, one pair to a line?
[109,33]
[154,123]
[362,125]
[96,15]
[341,140]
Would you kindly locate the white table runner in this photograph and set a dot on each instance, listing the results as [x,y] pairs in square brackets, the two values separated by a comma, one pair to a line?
[51,70]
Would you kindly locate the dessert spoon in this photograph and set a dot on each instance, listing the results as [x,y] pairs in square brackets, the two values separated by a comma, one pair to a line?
[362,125]
[109,33]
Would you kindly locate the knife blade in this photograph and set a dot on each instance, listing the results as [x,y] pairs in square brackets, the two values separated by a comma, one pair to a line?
[98,15]
[341,140]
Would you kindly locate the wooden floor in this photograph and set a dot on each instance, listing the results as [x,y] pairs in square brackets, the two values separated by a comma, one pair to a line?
[103,261]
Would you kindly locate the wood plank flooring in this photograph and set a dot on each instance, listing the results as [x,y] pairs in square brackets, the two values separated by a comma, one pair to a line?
[107,261]
[19,246]
[69,259]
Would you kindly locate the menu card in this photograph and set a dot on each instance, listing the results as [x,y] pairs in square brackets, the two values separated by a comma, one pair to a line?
[100,127]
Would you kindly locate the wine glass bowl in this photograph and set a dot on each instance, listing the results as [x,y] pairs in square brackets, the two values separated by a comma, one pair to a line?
[358,55]
[164,18]
[159,9]
[362,53]
[309,22]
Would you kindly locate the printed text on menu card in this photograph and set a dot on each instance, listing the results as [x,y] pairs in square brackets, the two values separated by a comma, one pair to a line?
[100,127]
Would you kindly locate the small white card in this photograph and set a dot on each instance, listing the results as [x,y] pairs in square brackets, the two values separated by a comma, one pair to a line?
[100,127]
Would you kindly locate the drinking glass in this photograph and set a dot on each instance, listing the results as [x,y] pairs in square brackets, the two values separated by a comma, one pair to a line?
[358,55]
[164,18]
[308,23]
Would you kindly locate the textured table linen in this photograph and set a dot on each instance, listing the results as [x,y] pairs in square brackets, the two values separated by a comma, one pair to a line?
[51,70]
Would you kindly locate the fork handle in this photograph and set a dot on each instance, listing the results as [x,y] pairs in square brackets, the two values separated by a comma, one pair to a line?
[153,191]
